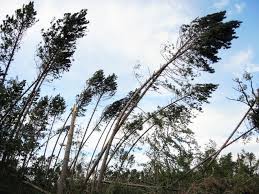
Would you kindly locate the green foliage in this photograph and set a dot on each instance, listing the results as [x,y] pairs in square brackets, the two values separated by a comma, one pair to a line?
[212,34]
[101,85]
[27,118]
[230,176]
[97,86]
[57,106]
[225,175]
[114,108]
[119,189]
[59,43]
[11,32]
[248,95]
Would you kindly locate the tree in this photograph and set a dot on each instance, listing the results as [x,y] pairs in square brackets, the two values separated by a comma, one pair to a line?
[61,182]
[11,33]
[100,87]
[196,49]
[57,107]
[55,53]
[27,119]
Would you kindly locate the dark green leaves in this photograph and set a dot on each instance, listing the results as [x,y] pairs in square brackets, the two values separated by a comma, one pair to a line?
[101,85]
[207,35]
[114,109]
[97,86]
[57,105]
[59,43]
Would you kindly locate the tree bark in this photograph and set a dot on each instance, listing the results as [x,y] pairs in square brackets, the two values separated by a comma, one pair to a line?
[62,179]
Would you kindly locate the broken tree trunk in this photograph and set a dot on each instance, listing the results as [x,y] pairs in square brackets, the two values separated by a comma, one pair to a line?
[62,179]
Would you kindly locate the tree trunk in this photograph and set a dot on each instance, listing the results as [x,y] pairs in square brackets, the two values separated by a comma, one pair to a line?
[62,179]
[47,143]
[97,145]
[12,55]
[59,151]
[83,139]
[103,166]
[54,148]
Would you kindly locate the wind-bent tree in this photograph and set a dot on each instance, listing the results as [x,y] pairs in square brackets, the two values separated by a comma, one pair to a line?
[61,185]
[57,107]
[55,54]
[196,49]
[101,87]
[26,119]
[56,51]
[12,31]
[248,95]
[97,86]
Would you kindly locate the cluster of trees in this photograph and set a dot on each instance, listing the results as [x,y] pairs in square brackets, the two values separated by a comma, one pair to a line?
[224,175]
[30,121]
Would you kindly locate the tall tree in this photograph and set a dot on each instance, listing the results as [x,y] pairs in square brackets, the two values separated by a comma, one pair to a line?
[196,49]
[55,53]
[101,87]
[61,182]
[12,31]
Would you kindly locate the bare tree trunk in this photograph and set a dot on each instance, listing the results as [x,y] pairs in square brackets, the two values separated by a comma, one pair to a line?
[35,151]
[61,145]
[12,55]
[107,135]
[54,148]
[126,136]
[103,166]
[231,135]
[50,131]
[15,130]
[207,159]
[83,139]
[132,146]
[26,108]
[10,108]
[96,168]
[97,145]
[62,179]
[129,107]
[122,118]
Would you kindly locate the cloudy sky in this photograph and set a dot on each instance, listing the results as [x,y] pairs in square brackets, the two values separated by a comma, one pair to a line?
[124,33]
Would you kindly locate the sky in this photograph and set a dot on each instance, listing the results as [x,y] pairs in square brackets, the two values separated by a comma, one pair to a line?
[124,33]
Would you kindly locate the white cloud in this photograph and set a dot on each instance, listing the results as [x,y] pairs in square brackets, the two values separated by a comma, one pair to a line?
[217,122]
[221,4]
[120,33]
[252,68]
[242,60]
[131,30]
[232,7]
[239,7]
[242,57]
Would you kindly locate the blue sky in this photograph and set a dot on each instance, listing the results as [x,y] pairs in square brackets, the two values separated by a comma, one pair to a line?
[122,34]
